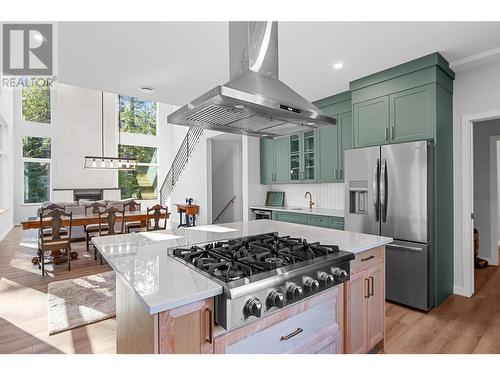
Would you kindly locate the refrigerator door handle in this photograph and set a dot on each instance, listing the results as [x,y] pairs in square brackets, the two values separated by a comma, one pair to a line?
[376,193]
[404,247]
[383,191]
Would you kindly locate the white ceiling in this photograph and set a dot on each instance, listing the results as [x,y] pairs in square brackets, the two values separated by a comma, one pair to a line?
[182,60]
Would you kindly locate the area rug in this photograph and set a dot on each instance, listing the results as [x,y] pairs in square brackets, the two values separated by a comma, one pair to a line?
[81,301]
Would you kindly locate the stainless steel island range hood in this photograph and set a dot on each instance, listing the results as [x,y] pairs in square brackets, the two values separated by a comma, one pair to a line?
[254,102]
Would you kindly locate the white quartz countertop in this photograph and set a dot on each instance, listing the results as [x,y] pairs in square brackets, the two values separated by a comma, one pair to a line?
[163,283]
[303,210]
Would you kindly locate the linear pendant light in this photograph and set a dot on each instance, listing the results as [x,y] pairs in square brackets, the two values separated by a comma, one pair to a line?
[109,162]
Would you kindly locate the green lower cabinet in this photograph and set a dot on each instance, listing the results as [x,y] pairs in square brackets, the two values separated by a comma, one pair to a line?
[371,122]
[319,221]
[331,222]
[290,217]
[412,114]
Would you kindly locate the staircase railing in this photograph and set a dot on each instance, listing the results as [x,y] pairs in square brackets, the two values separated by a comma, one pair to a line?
[181,158]
[224,209]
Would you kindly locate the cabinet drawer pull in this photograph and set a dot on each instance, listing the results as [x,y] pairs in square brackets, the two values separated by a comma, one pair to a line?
[385,134]
[366,287]
[290,335]
[371,292]
[392,132]
[367,258]
[209,337]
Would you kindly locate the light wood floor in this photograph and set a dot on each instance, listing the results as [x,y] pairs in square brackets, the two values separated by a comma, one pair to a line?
[459,325]
[23,302]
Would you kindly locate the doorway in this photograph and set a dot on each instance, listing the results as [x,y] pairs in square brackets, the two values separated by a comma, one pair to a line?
[226,182]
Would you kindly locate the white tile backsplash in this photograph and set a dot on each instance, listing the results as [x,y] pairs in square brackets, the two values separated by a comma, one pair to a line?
[323,195]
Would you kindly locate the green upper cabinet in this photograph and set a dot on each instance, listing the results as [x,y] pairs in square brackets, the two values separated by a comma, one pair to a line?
[344,125]
[411,114]
[281,152]
[328,153]
[309,156]
[267,161]
[334,140]
[371,122]
[399,104]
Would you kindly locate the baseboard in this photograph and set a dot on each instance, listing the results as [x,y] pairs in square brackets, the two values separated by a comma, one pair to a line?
[2,235]
[458,289]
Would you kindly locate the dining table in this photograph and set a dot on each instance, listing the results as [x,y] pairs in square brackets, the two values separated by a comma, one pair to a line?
[33,222]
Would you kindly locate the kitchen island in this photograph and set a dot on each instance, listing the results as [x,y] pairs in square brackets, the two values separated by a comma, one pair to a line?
[164,306]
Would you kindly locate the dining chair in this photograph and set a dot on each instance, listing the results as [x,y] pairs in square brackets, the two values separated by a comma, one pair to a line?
[58,240]
[154,213]
[93,208]
[110,215]
[47,232]
[132,206]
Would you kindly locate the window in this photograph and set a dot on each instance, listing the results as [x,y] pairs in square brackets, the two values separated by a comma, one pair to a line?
[137,115]
[141,183]
[36,163]
[36,104]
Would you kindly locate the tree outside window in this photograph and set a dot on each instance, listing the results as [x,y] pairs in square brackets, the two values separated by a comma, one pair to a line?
[143,182]
[137,115]
[36,104]
[36,163]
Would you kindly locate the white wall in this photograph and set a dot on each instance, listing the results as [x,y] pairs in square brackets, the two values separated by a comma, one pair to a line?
[483,201]
[475,91]
[75,131]
[6,181]
[78,134]
[193,182]
[226,177]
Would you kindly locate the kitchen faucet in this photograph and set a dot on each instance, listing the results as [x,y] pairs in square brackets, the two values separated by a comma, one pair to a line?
[311,203]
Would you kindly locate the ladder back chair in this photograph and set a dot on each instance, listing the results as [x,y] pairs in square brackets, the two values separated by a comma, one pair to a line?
[58,240]
[110,215]
[132,206]
[47,232]
[154,213]
[93,208]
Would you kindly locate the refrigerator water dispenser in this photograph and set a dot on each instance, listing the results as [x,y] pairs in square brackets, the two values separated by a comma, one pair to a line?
[358,197]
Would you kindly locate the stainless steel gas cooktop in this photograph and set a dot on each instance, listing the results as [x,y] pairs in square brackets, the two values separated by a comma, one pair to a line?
[263,273]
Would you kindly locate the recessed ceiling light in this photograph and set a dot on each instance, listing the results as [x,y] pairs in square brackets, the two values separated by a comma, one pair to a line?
[338,65]
[239,106]
[146,89]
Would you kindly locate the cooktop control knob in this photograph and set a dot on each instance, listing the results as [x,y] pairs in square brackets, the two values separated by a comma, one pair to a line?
[253,307]
[326,279]
[276,299]
[339,273]
[311,285]
[294,292]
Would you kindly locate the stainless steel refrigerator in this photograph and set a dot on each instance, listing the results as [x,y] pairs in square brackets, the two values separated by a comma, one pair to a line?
[390,192]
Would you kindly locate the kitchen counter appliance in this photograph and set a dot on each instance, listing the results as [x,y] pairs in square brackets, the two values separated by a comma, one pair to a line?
[390,192]
[263,273]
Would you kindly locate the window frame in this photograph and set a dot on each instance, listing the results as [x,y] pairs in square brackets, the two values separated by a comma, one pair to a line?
[51,106]
[155,134]
[36,160]
[142,164]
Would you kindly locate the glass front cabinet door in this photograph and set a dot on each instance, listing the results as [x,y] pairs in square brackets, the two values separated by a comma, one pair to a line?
[303,157]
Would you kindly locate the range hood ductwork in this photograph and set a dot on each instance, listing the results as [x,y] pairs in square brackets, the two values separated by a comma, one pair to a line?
[254,102]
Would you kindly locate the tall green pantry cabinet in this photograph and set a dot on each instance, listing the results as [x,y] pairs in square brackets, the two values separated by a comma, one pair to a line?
[410,102]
